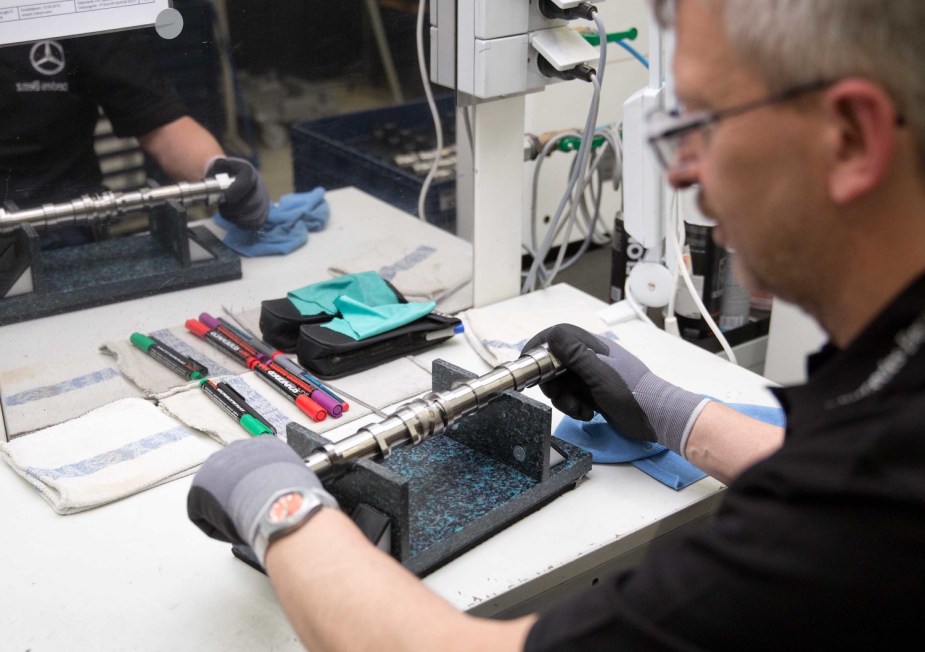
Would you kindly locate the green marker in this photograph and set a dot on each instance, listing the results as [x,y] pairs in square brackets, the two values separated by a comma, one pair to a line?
[232,403]
[183,365]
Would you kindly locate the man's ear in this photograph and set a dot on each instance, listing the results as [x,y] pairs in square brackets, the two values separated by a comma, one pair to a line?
[863,123]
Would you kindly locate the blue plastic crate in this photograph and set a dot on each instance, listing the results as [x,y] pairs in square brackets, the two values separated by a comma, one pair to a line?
[343,150]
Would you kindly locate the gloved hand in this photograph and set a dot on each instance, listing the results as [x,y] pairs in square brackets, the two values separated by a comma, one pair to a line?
[247,202]
[601,376]
[236,486]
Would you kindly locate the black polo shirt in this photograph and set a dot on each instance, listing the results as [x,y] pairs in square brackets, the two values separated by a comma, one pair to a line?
[819,546]
[50,92]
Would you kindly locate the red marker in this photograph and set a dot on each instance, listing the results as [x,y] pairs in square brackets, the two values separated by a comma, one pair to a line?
[273,377]
[288,389]
[332,406]
[276,359]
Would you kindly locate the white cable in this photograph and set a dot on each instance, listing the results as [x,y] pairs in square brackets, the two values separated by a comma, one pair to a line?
[538,165]
[672,223]
[573,189]
[635,306]
[590,222]
[597,80]
[530,283]
[591,225]
[700,305]
[438,126]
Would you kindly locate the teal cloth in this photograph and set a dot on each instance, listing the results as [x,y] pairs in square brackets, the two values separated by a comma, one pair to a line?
[359,320]
[364,287]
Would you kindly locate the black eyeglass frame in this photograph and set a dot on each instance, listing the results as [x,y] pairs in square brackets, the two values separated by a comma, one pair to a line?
[710,118]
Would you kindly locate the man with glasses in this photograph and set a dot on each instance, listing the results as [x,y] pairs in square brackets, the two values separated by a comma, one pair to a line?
[802,124]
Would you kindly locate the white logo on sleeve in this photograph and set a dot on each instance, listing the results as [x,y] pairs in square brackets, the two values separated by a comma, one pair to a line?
[47,57]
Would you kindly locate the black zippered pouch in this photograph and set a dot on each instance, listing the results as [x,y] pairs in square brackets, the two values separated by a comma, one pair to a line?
[280,321]
[329,354]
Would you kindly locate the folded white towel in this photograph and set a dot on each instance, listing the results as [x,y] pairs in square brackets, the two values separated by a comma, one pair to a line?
[36,397]
[499,332]
[110,453]
[156,380]
[422,270]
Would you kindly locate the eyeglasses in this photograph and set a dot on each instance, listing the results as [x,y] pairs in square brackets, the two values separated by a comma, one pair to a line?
[678,139]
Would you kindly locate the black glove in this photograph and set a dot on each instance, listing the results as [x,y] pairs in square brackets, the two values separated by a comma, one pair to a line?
[601,376]
[237,485]
[247,202]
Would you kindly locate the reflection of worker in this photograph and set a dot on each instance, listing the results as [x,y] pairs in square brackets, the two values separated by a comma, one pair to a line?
[50,92]
[809,131]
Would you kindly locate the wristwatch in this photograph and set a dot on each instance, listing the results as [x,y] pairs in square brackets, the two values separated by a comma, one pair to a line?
[286,512]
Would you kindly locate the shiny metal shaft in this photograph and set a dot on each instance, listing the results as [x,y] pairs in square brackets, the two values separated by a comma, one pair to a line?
[435,413]
[107,205]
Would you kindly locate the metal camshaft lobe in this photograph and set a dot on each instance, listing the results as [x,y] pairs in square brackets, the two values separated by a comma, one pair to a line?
[434,413]
[107,205]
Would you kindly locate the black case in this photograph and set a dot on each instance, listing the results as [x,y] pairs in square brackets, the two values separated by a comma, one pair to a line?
[329,354]
[280,321]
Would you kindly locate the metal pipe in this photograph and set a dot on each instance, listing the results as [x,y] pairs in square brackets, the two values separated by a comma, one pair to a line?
[433,414]
[108,205]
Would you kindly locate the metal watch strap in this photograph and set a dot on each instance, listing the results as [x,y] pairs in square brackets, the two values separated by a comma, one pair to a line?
[314,497]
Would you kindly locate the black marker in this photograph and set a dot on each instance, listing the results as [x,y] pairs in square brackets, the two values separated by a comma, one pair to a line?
[237,409]
[183,365]
[233,393]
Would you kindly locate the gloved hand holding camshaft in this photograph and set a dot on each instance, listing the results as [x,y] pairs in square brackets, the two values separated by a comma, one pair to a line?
[246,202]
[237,487]
[601,376]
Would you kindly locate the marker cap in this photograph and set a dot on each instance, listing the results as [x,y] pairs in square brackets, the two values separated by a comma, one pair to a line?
[208,320]
[197,328]
[309,407]
[253,426]
[332,407]
[143,342]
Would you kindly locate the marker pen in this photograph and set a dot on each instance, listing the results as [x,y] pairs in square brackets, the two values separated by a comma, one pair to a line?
[289,389]
[220,341]
[330,405]
[233,393]
[181,364]
[231,333]
[237,411]
[247,355]
[334,405]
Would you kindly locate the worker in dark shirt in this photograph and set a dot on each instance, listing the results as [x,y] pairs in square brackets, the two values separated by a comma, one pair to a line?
[50,96]
[802,124]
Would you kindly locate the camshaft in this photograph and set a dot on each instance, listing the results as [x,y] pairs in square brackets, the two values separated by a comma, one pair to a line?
[110,204]
[434,413]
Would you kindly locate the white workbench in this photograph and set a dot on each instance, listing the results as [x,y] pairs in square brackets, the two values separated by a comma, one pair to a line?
[136,574]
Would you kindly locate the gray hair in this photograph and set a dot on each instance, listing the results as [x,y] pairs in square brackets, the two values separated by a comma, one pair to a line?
[791,42]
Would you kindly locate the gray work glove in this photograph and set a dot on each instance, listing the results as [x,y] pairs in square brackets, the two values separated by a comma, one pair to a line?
[601,376]
[236,486]
[247,202]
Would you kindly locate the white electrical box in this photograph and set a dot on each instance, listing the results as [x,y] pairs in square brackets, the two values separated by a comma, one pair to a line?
[483,48]
[563,47]
[643,212]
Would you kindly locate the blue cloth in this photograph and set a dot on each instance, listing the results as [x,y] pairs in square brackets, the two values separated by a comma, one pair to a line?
[609,447]
[359,321]
[364,287]
[286,228]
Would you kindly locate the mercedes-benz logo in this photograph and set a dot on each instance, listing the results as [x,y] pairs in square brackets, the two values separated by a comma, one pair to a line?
[47,57]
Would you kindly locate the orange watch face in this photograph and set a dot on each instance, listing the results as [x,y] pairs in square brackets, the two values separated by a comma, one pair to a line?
[284,507]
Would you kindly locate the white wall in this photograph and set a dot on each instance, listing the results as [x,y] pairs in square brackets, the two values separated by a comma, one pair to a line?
[793,335]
